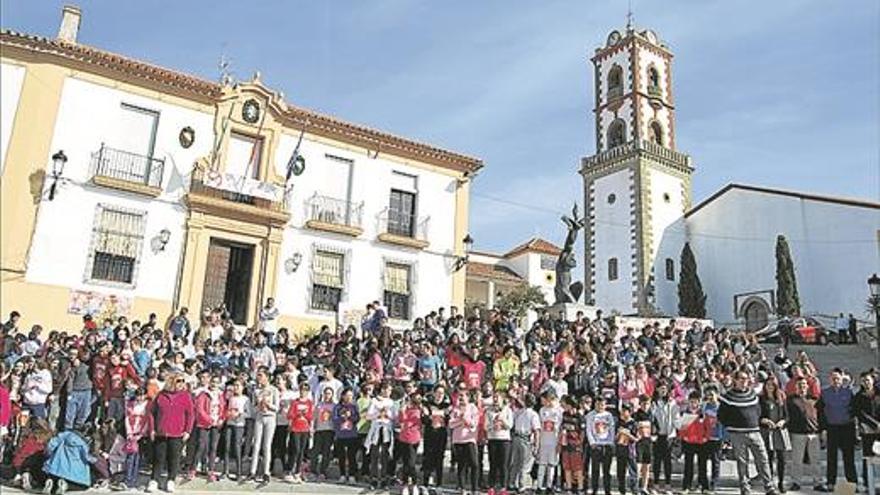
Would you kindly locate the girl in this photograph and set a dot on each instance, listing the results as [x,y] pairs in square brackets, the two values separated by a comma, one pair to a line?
[382,415]
[324,434]
[210,409]
[463,420]
[499,421]
[345,420]
[572,442]
[773,429]
[363,426]
[281,440]
[238,409]
[435,415]
[410,421]
[548,445]
[137,426]
[300,418]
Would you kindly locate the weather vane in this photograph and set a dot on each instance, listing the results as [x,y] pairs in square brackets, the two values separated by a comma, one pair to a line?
[629,15]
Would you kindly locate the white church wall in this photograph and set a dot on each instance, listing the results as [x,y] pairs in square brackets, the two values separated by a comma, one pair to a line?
[613,240]
[834,247]
[12,77]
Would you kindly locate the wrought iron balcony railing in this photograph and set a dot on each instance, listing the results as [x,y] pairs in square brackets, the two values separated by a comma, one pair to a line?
[333,211]
[128,167]
[403,224]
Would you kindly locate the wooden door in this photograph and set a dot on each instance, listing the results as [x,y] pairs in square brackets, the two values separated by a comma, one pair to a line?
[216,275]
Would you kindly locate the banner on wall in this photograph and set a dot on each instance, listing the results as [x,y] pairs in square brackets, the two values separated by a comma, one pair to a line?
[638,323]
[98,304]
[245,185]
[348,315]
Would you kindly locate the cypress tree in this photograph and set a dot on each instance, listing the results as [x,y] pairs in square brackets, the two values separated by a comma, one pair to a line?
[691,299]
[787,300]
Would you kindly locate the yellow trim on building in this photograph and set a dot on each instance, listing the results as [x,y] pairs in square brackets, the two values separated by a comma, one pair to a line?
[462,205]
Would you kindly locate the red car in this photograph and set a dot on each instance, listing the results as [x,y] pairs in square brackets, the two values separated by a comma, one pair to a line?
[811,331]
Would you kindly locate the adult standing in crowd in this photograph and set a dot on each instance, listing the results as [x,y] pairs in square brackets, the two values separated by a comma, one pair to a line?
[866,409]
[836,420]
[803,426]
[173,419]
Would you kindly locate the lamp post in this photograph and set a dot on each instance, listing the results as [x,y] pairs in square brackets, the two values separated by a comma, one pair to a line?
[58,161]
[461,261]
[874,301]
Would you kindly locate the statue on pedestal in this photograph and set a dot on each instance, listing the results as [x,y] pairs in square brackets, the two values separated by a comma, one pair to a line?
[566,291]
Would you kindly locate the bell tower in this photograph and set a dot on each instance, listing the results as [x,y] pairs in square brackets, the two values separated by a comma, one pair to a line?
[637,186]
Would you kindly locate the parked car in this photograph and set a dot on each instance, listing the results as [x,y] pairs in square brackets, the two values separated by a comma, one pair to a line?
[804,330]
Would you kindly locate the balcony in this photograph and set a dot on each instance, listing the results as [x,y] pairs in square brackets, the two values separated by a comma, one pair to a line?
[127,171]
[403,229]
[643,148]
[334,215]
[211,194]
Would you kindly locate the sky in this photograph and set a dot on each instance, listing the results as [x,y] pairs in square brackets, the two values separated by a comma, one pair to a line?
[782,93]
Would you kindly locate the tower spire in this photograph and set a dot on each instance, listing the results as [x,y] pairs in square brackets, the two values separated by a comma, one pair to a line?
[629,16]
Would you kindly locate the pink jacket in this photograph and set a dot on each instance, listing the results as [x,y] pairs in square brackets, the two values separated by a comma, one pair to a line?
[5,406]
[464,423]
[173,414]
[206,415]
[410,425]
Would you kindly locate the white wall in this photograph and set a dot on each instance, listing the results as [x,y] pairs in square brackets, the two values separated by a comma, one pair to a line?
[666,241]
[834,247]
[11,79]
[625,112]
[612,240]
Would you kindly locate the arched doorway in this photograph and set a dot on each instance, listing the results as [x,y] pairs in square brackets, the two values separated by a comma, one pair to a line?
[757,313]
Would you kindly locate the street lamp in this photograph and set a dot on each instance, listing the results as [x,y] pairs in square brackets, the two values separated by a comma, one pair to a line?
[58,161]
[461,261]
[874,302]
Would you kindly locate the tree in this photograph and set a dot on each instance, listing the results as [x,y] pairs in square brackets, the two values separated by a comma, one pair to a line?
[519,300]
[788,302]
[691,299]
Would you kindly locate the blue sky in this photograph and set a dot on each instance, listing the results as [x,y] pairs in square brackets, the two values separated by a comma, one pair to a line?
[780,93]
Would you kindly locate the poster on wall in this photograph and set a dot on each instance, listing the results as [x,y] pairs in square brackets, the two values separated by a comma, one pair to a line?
[98,304]
[245,185]
[351,316]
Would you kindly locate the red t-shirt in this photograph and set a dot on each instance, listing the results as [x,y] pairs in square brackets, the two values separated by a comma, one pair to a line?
[300,415]
[472,374]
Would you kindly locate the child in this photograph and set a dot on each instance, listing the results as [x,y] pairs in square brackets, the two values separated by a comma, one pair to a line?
[435,416]
[499,421]
[601,432]
[382,415]
[138,425]
[644,445]
[694,430]
[548,445]
[627,430]
[463,421]
[572,443]
[324,434]
[345,419]
[210,408]
[526,429]
[238,409]
[410,421]
[300,419]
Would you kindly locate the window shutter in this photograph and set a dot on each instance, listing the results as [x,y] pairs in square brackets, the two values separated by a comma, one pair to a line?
[328,269]
[120,233]
[397,278]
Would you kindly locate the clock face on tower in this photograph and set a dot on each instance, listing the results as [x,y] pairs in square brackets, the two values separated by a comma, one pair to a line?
[250,112]
[613,38]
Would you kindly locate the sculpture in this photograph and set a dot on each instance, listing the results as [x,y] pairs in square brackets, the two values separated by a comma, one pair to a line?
[566,291]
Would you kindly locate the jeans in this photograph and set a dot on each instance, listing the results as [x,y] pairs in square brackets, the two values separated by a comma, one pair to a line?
[743,443]
[79,405]
[264,430]
[323,450]
[209,438]
[116,409]
[348,449]
[521,461]
[234,441]
[379,454]
[801,442]
[713,453]
[132,469]
[408,460]
[700,452]
[662,457]
[499,460]
[627,478]
[602,456]
[466,454]
[36,410]
[166,452]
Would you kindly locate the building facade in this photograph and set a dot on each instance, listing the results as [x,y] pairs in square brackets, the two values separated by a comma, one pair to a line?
[180,192]
[637,192]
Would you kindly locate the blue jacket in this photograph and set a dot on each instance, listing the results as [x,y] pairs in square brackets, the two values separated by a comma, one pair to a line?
[67,457]
[834,407]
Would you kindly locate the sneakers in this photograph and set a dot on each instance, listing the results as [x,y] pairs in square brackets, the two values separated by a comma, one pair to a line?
[62,487]
[405,490]
[491,491]
[47,488]
[152,486]
[169,487]
[289,478]
[212,478]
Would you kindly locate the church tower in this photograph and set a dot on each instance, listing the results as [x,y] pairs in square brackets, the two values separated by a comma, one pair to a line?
[637,186]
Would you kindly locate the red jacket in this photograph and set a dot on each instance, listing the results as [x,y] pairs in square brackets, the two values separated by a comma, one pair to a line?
[5,406]
[29,446]
[698,431]
[100,366]
[205,417]
[114,385]
[299,416]
[173,414]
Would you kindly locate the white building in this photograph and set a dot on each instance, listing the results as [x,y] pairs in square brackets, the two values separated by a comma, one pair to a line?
[637,192]
[177,193]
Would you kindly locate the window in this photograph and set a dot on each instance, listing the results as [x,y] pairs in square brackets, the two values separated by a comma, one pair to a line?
[135,130]
[616,134]
[397,290]
[666,197]
[116,243]
[612,269]
[328,280]
[615,82]
[656,133]
[612,198]
[401,213]
[670,269]
[244,155]
[653,81]
[548,262]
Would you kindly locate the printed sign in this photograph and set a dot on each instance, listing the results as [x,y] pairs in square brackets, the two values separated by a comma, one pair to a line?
[244,185]
[637,324]
[98,304]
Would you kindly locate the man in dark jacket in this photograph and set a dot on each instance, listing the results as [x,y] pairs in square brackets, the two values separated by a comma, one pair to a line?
[803,424]
[866,409]
[837,421]
[739,413]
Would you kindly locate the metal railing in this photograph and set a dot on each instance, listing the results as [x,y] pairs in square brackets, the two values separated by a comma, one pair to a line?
[200,187]
[403,224]
[643,145]
[334,211]
[127,166]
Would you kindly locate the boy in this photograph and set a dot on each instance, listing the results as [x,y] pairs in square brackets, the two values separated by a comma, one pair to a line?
[601,432]
[694,429]
[572,441]
[548,444]
[627,430]
[644,445]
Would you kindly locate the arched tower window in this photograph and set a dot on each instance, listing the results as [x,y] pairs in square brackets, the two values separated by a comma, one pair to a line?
[615,82]
[656,133]
[653,81]
[616,134]
[670,269]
